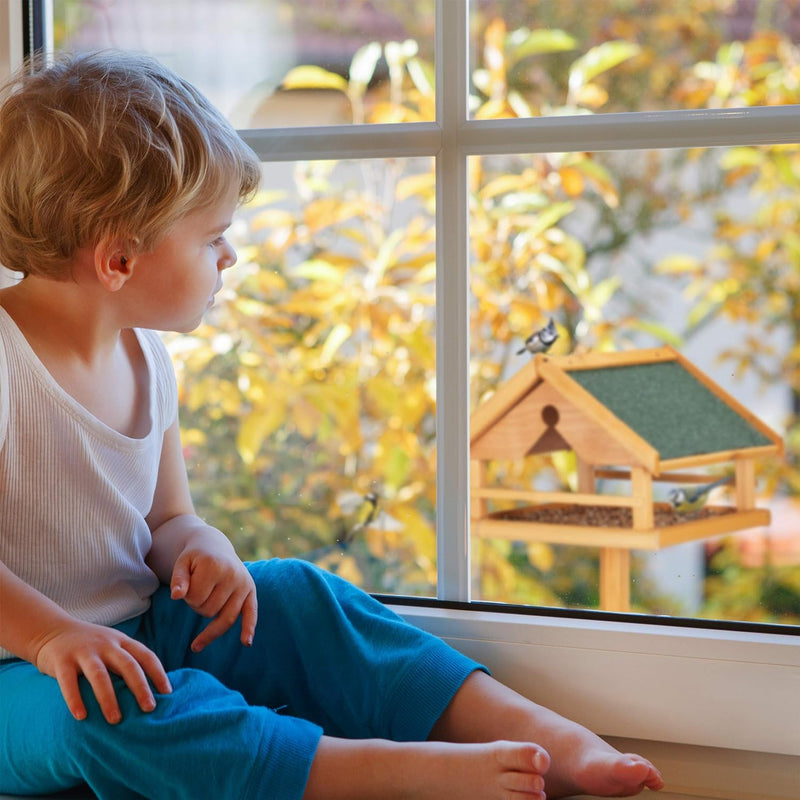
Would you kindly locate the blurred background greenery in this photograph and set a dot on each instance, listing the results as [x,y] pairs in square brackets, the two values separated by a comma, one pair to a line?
[308,397]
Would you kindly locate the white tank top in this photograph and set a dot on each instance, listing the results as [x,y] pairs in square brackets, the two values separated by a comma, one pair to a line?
[74,493]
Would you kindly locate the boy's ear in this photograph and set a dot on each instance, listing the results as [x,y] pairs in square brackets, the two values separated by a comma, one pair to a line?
[112,266]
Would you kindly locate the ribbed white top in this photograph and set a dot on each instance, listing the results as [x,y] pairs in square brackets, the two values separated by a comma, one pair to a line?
[74,493]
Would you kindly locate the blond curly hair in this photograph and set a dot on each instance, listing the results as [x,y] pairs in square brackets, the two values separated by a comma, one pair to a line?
[107,146]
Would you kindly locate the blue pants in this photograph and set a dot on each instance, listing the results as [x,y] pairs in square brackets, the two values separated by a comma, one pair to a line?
[240,722]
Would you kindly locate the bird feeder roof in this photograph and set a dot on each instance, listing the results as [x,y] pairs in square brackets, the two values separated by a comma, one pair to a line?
[652,408]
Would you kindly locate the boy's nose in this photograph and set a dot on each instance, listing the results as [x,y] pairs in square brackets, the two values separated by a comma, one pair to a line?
[227,258]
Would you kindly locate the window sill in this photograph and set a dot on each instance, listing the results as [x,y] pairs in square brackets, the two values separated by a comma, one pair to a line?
[709,688]
[717,710]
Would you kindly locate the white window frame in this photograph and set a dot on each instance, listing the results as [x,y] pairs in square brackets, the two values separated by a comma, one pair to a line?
[699,688]
[707,688]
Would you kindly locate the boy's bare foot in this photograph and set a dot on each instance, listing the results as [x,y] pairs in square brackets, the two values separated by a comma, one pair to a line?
[377,769]
[581,762]
[605,772]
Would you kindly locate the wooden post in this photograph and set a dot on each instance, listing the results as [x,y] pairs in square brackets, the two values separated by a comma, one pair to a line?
[478,506]
[615,579]
[745,484]
[615,562]
[642,490]
[586,481]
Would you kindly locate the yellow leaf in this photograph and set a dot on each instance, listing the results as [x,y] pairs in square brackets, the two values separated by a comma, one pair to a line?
[306,418]
[416,184]
[272,218]
[503,185]
[572,181]
[765,248]
[336,338]
[313,77]
[592,96]
[541,556]
[256,427]
[673,265]
[495,109]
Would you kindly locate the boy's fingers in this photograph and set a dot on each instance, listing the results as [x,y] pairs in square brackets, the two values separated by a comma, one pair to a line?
[212,631]
[179,585]
[100,681]
[249,618]
[151,665]
[147,664]
[159,676]
[222,622]
[215,602]
[131,671]
[68,684]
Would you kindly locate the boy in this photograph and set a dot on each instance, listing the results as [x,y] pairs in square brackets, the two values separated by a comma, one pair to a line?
[141,655]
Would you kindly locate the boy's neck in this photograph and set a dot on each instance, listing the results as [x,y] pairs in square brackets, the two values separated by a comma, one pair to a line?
[67,317]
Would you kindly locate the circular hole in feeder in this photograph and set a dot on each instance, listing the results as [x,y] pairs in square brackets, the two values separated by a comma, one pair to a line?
[550,416]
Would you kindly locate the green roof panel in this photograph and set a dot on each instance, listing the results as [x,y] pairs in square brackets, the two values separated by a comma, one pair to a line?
[668,407]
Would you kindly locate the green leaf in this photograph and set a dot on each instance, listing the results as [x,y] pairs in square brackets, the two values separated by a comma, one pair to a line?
[524,42]
[676,265]
[256,427]
[318,270]
[660,332]
[397,53]
[736,157]
[422,75]
[311,77]
[598,60]
[362,67]
[603,292]
[548,218]
[336,338]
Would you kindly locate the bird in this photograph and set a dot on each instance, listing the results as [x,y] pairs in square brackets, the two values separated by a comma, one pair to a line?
[360,510]
[541,340]
[686,499]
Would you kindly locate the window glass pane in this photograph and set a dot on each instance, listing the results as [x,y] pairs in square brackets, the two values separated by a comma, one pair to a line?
[307,398]
[362,62]
[627,251]
[542,57]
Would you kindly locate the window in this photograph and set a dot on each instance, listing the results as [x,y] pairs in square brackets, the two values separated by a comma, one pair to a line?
[320,376]
[584,162]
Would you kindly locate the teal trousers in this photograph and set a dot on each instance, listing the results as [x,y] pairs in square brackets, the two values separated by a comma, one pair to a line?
[240,722]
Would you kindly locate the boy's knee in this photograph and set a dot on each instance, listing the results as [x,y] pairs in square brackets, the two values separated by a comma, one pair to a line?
[192,689]
[288,580]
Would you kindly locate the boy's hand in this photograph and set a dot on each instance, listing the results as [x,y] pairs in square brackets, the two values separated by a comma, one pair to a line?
[94,651]
[215,583]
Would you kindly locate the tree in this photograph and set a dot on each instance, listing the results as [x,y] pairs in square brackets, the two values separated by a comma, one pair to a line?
[320,364]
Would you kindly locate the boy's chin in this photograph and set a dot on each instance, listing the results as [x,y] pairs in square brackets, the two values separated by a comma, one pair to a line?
[185,327]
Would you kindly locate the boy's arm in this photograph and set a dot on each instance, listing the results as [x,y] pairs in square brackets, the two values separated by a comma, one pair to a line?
[195,560]
[38,630]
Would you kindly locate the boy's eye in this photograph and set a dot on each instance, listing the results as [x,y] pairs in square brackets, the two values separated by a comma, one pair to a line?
[217,242]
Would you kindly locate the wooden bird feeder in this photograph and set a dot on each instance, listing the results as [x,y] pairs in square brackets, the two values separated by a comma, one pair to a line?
[637,416]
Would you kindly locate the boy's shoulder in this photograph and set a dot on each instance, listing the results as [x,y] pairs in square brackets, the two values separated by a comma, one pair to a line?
[4,383]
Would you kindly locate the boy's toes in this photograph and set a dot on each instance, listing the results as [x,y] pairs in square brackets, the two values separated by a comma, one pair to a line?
[635,773]
[523,757]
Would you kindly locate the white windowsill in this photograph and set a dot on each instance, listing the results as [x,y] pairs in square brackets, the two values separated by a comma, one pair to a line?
[711,688]
[721,709]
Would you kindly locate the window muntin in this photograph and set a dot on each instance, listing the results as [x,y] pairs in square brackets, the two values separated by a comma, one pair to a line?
[505,136]
[545,57]
[345,61]
[308,397]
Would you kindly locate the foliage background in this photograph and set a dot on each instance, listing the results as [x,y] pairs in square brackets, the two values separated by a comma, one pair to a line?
[312,383]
